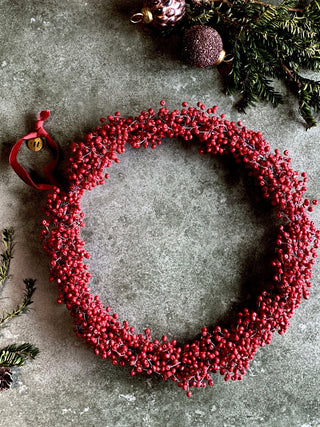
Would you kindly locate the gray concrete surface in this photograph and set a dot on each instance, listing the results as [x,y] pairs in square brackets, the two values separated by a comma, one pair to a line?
[176,239]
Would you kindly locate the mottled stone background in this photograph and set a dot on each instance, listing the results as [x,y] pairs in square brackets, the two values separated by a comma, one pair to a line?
[177,240]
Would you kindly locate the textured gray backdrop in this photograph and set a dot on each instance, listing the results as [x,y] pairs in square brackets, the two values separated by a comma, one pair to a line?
[177,240]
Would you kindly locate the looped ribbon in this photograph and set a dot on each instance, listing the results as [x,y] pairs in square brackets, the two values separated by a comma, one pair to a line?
[39,132]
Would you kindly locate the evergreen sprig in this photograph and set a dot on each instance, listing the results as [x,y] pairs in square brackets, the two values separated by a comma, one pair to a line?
[6,256]
[13,355]
[266,42]
[17,355]
[24,306]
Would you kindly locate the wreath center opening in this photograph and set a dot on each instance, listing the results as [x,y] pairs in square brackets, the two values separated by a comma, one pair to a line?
[175,240]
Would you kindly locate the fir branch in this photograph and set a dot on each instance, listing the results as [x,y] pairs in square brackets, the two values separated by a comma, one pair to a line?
[17,355]
[14,355]
[266,42]
[6,256]
[24,306]
[206,3]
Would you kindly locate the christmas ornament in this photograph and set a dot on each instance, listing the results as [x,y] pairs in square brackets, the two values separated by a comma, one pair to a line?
[160,13]
[13,355]
[202,47]
[263,42]
[5,378]
[227,350]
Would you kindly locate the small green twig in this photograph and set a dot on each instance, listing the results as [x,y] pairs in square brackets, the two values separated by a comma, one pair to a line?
[274,6]
[261,3]
[16,355]
[6,256]
[22,308]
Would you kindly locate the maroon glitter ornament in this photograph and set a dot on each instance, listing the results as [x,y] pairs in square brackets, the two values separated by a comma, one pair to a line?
[202,46]
[160,13]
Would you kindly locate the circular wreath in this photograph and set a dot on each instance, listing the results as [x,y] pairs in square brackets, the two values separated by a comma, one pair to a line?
[225,350]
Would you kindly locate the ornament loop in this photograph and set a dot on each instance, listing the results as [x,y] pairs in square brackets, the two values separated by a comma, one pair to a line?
[136,18]
[228,58]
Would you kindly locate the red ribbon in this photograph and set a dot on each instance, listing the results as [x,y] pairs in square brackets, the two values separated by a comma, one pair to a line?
[48,170]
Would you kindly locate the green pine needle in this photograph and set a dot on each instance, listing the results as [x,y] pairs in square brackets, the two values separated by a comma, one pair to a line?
[17,355]
[24,306]
[6,256]
[266,42]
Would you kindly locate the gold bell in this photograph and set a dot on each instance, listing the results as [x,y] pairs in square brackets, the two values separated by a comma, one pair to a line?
[35,144]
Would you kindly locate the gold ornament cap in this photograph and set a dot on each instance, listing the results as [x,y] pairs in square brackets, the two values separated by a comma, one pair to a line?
[145,15]
[221,57]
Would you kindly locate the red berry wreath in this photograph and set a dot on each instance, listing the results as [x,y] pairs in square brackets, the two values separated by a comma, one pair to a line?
[228,350]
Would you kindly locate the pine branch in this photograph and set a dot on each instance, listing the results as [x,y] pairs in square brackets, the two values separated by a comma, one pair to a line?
[266,42]
[24,306]
[6,256]
[17,355]
[14,355]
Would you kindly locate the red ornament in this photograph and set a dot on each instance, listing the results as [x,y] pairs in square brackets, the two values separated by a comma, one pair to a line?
[229,350]
[160,13]
[202,46]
